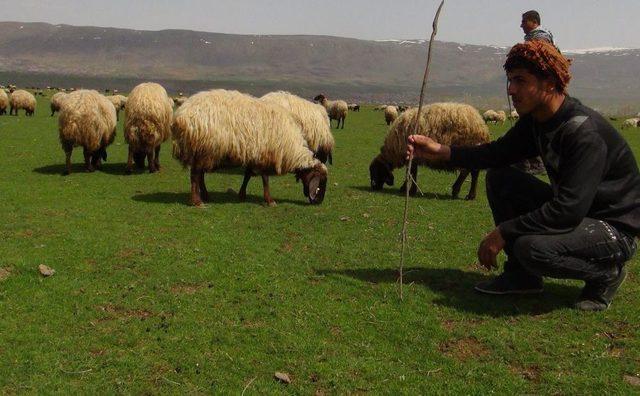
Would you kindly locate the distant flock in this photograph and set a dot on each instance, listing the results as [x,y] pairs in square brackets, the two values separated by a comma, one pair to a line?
[276,134]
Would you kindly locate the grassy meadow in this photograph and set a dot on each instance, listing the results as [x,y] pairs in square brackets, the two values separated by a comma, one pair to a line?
[153,296]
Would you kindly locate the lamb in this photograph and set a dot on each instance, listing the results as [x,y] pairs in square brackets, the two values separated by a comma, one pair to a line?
[630,123]
[219,128]
[22,99]
[147,124]
[447,123]
[56,102]
[118,101]
[313,119]
[86,119]
[390,114]
[4,102]
[337,109]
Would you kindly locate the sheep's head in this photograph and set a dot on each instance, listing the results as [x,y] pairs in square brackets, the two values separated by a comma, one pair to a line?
[380,173]
[314,182]
[320,98]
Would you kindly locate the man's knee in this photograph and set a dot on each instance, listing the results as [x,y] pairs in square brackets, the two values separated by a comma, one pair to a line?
[532,254]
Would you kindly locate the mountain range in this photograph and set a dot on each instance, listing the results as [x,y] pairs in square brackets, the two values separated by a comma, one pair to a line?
[39,54]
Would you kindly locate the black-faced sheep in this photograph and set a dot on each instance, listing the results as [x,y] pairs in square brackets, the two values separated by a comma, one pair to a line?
[22,99]
[219,128]
[337,109]
[56,102]
[147,124]
[86,119]
[447,123]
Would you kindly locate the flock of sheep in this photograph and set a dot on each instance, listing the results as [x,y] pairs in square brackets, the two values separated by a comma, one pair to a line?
[276,134]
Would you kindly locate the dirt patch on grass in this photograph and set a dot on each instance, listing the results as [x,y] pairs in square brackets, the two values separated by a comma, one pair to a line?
[4,273]
[186,288]
[529,373]
[463,349]
[120,312]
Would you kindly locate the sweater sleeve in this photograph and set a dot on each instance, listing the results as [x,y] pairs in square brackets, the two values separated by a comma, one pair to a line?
[582,165]
[516,145]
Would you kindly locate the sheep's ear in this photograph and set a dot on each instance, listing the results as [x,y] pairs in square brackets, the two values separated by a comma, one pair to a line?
[314,185]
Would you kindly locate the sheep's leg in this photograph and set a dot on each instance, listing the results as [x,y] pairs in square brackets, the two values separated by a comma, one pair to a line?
[242,194]
[87,160]
[67,153]
[414,187]
[455,190]
[195,187]
[204,193]
[267,193]
[129,161]
[474,185]
[151,154]
[158,158]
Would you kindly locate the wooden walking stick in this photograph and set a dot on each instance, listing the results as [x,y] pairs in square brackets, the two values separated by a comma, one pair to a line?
[408,178]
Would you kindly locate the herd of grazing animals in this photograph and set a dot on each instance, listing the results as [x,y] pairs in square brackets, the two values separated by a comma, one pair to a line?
[275,134]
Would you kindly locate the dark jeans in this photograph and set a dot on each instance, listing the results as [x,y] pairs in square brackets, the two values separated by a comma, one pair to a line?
[594,251]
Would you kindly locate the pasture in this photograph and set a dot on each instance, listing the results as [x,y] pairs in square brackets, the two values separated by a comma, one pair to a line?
[154,296]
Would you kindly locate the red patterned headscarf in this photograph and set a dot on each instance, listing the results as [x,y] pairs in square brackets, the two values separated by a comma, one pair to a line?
[541,58]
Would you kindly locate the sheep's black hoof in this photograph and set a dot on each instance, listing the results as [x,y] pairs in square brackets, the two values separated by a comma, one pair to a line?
[470,197]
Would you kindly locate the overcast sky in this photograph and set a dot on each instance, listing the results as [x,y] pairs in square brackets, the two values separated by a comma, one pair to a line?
[576,24]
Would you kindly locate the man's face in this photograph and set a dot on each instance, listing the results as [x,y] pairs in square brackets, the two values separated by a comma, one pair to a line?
[527,25]
[527,91]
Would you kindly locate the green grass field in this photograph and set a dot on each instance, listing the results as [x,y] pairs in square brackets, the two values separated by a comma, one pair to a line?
[154,296]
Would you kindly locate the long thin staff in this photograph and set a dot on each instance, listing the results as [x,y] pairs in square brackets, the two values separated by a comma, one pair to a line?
[408,177]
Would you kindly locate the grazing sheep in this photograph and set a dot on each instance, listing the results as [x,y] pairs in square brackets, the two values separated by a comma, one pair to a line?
[118,101]
[630,123]
[56,102]
[179,100]
[22,99]
[514,115]
[337,109]
[390,114]
[313,119]
[447,123]
[354,107]
[502,117]
[490,116]
[86,119]
[147,123]
[4,102]
[220,128]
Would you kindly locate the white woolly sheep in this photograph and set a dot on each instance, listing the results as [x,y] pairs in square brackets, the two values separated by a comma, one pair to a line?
[446,123]
[147,124]
[314,120]
[490,116]
[501,117]
[337,109]
[630,123]
[514,115]
[22,99]
[119,102]
[4,102]
[219,128]
[390,114]
[56,102]
[86,119]
[354,107]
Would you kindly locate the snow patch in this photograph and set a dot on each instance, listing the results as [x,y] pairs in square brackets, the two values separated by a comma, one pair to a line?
[596,50]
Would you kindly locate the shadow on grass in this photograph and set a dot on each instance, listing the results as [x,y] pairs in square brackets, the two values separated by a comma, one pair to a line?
[455,289]
[396,191]
[57,169]
[215,198]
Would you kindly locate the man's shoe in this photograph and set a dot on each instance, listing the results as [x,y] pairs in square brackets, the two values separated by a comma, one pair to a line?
[506,283]
[598,296]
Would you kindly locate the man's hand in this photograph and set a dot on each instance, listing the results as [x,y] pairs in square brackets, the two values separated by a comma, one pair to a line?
[426,148]
[489,248]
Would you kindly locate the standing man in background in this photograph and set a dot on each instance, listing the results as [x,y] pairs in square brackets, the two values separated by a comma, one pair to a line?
[531,27]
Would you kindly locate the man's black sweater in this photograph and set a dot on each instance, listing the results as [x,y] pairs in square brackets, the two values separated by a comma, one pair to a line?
[592,170]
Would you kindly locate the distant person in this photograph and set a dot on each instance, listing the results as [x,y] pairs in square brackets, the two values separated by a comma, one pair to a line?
[531,27]
[584,224]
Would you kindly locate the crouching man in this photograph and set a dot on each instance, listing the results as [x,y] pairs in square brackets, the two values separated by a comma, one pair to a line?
[581,226]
